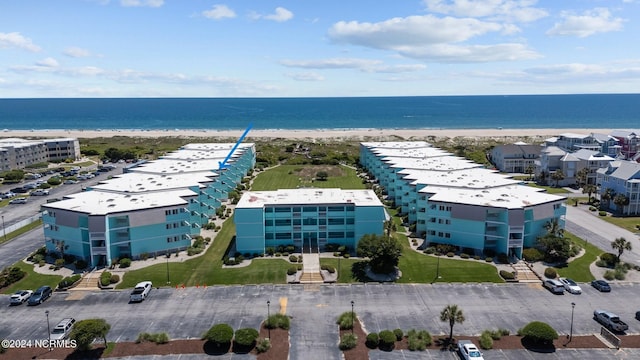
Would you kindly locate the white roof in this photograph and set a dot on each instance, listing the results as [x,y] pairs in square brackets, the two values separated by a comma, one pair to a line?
[308,196]
[177,166]
[141,183]
[509,197]
[440,163]
[204,151]
[102,203]
[475,178]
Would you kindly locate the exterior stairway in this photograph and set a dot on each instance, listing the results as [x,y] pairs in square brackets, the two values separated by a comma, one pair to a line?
[89,281]
[311,269]
[524,273]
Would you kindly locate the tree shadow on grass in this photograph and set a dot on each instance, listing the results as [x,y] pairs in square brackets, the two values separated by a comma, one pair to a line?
[359,271]
[88,354]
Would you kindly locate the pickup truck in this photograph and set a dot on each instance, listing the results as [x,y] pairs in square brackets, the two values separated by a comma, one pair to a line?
[610,320]
[469,351]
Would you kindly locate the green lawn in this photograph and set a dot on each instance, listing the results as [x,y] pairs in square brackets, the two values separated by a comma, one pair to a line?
[628,223]
[32,280]
[294,176]
[578,269]
[344,268]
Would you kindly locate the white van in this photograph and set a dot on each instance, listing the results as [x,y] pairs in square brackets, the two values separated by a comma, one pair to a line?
[63,329]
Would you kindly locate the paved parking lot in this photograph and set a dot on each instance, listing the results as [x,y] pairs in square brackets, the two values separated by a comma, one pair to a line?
[187,313]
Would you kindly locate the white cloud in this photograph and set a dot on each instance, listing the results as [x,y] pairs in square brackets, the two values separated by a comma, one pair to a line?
[76,52]
[508,10]
[598,20]
[430,38]
[48,62]
[140,3]
[280,15]
[218,12]
[305,76]
[15,40]
[365,65]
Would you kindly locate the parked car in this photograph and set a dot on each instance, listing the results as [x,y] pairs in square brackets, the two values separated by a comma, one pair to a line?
[40,192]
[40,296]
[20,296]
[7,195]
[571,286]
[637,315]
[70,182]
[141,291]
[610,320]
[20,200]
[30,186]
[554,286]
[469,351]
[63,329]
[601,285]
[19,190]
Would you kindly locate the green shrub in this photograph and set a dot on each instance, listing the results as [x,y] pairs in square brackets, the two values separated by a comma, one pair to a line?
[246,337]
[105,278]
[328,268]
[372,340]
[507,275]
[619,275]
[609,275]
[532,255]
[486,340]
[450,254]
[346,255]
[476,257]
[503,332]
[387,340]
[418,340]
[114,278]
[550,273]
[399,334]
[220,335]
[464,256]
[609,258]
[293,258]
[158,338]
[602,213]
[68,281]
[430,250]
[348,341]
[488,259]
[263,345]
[346,320]
[125,262]
[539,332]
[59,263]
[292,270]
[277,321]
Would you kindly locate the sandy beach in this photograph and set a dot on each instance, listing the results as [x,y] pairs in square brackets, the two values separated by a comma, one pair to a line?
[356,134]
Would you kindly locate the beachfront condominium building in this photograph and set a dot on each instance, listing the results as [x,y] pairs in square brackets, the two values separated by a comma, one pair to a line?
[629,142]
[450,200]
[21,153]
[154,208]
[515,158]
[621,180]
[570,164]
[308,219]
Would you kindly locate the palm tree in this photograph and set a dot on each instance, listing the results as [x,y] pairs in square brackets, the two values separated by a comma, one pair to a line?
[607,195]
[581,177]
[389,227]
[553,228]
[529,170]
[557,176]
[621,244]
[453,315]
[589,189]
[621,200]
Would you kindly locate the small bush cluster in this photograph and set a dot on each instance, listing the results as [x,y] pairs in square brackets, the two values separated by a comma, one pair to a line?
[263,346]
[230,261]
[418,340]
[348,341]
[607,260]
[68,281]
[125,263]
[219,335]
[346,320]
[508,275]
[158,338]
[279,321]
[245,339]
[538,332]
[372,340]
[328,268]
[387,340]
[486,340]
[488,259]
[532,255]
[11,275]
[292,270]
[550,273]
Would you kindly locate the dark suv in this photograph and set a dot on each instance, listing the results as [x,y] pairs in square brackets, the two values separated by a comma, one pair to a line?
[38,297]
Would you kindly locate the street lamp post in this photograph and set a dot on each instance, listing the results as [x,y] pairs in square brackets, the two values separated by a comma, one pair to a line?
[168,281]
[269,318]
[48,328]
[573,305]
[438,268]
[4,230]
[352,303]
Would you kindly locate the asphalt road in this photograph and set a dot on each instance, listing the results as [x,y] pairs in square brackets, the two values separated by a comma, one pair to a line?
[188,313]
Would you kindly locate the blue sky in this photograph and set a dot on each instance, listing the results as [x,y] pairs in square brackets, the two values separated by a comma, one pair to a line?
[296,48]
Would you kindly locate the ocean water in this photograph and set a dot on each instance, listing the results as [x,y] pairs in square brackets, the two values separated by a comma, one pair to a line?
[615,111]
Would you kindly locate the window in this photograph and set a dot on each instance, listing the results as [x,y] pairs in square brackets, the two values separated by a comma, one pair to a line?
[268,236]
[351,221]
[297,222]
[336,221]
[322,221]
[336,234]
[350,234]
[283,222]
[310,221]
[283,210]
[283,236]
[336,208]
[309,209]
[168,226]
[268,210]
[268,223]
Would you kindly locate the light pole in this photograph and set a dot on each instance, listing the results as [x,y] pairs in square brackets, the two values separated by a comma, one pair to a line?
[352,303]
[168,281]
[269,319]
[4,230]
[48,328]
[573,305]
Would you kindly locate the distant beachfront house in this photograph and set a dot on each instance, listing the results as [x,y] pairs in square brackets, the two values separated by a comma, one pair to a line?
[515,158]
[621,177]
[554,159]
[18,153]
[573,142]
[308,219]
[629,142]
[155,208]
[451,200]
